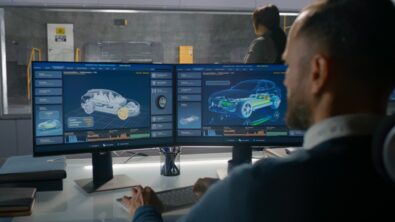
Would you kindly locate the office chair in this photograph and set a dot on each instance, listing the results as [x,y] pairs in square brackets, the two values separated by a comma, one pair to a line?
[384,148]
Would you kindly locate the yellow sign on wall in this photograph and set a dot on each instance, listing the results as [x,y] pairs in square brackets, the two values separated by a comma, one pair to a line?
[186,54]
[60,31]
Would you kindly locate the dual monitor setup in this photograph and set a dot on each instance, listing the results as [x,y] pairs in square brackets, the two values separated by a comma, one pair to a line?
[102,107]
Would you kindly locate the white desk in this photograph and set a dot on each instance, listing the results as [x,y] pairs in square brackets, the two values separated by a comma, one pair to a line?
[73,204]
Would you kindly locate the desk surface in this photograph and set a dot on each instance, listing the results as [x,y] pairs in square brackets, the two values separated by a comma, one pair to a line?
[73,204]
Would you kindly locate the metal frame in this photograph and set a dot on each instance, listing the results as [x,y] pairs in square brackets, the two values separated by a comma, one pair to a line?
[3,76]
[167,11]
[4,113]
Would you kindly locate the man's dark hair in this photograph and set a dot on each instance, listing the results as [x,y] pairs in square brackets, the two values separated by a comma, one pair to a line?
[357,37]
[268,16]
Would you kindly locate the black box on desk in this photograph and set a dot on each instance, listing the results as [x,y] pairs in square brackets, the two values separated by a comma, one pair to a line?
[43,173]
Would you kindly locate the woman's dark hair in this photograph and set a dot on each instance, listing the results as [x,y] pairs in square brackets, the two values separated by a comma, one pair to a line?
[280,40]
[269,16]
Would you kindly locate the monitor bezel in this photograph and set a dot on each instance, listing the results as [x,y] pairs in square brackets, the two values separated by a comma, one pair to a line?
[81,149]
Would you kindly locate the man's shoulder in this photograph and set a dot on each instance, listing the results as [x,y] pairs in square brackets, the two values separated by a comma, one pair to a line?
[273,165]
[308,163]
[347,140]
[349,145]
[304,162]
[267,168]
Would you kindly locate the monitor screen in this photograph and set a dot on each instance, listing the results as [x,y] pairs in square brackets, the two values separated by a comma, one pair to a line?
[233,104]
[87,107]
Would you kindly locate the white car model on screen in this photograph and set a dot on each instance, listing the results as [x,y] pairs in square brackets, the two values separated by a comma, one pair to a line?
[188,120]
[49,125]
[108,101]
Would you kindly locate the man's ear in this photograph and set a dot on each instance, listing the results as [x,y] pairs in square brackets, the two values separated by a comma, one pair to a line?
[319,73]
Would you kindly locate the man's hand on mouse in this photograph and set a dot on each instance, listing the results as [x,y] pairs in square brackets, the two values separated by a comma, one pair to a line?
[142,197]
[202,185]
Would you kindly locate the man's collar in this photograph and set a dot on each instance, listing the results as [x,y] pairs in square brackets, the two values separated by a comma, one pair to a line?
[340,126]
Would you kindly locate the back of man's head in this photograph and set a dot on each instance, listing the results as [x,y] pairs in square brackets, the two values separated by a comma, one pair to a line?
[357,36]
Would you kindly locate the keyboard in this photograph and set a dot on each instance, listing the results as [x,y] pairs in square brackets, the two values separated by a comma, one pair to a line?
[173,199]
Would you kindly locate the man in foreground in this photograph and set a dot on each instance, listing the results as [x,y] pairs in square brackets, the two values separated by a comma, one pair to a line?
[340,75]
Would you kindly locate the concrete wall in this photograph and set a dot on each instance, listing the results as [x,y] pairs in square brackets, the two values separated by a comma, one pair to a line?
[15,137]
[215,37]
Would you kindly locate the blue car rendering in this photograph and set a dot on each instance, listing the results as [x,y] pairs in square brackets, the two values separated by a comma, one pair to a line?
[246,97]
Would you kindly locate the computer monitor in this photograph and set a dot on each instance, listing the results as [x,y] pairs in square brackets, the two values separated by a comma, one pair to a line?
[241,105]
[100,107]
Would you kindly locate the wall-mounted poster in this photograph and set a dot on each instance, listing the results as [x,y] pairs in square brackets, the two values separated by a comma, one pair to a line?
[60,42]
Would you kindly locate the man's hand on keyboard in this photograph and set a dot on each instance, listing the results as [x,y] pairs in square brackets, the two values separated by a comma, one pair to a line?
[141,197]
[202,185]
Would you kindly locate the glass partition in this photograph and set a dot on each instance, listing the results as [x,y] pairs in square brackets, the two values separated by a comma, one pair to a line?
[31,34]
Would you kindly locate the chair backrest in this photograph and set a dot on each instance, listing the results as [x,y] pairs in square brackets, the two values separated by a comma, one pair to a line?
[384,148]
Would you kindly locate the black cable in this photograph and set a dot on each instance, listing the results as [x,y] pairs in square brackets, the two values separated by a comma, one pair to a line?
[133,155]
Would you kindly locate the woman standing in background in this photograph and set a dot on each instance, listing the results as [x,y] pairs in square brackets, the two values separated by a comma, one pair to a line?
[270,43]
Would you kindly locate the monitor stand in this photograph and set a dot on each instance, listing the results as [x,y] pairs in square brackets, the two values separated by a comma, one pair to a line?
[241,154]
[103,178]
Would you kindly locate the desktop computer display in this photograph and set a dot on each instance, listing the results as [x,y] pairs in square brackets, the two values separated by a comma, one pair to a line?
[98,108]
[233,104]
[85,107]
[238,105]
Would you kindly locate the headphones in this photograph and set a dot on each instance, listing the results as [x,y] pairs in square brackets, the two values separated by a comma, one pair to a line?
[383,148]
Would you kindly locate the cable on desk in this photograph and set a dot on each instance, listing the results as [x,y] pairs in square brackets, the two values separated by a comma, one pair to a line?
[133,155]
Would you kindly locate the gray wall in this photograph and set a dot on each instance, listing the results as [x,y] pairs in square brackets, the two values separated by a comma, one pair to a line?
[216,37]
[15,137]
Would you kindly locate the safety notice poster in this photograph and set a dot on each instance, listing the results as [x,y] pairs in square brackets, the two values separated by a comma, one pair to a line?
[60,42]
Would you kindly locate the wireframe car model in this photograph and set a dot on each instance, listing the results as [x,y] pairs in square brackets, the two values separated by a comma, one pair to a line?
[245,97]
[49,125]
[108,101]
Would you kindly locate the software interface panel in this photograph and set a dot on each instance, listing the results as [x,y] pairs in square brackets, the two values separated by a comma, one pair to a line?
[232,103]
[93,105]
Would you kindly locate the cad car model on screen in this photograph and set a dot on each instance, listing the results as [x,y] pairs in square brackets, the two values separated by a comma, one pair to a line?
[49,125]
[108,101]
[188,120]
[246,97]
